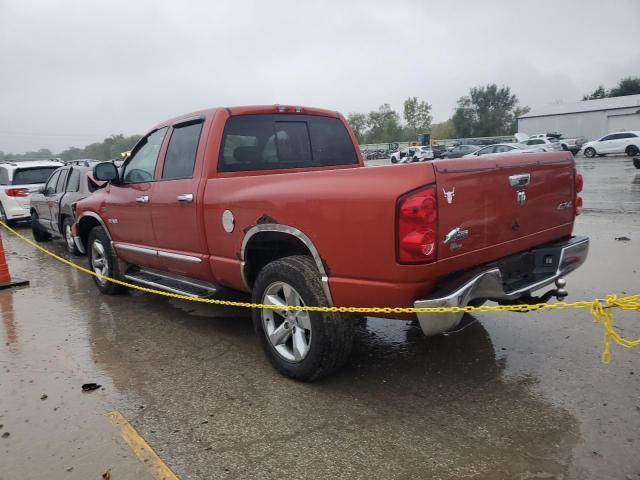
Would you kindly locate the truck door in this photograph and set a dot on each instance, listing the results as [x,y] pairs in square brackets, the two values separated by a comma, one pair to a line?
[127,208]
[178,216]
[54,200]
[42,207]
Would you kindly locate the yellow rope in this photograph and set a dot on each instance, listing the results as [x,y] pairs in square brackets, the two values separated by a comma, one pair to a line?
[600,310]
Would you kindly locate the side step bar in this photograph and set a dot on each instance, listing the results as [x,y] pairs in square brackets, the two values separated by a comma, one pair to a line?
[173,283]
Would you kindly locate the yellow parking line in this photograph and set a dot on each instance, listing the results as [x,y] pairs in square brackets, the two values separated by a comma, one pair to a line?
[141,448]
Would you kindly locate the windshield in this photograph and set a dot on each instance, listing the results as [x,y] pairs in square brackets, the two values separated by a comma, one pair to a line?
[28,176]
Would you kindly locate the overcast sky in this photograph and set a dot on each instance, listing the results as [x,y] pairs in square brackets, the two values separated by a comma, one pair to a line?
[73,72]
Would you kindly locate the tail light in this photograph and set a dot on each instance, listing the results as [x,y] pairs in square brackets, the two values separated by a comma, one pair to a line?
[579,183]
[417,227]
[17,192]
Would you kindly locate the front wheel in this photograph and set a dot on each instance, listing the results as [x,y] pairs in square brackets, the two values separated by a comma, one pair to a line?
[631,150]
[103,261]
[589,152]
[39,233]
[300,345]
[67,232]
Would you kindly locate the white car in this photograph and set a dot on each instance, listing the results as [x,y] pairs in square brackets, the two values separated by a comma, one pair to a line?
[614,143]
[547,144]
[18,180]
[419,155]
[502,148]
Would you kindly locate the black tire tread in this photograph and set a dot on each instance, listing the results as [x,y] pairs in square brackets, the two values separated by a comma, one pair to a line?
[75,250]
[39,234]
[114,268]
[337,331]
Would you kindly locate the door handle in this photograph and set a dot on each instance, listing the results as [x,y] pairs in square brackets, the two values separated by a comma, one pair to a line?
[521,180]
[142,199]
[185,197]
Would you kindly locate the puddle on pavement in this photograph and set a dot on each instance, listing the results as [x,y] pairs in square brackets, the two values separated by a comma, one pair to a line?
[192,379]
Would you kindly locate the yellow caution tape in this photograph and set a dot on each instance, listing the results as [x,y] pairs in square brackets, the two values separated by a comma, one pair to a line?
[601,310]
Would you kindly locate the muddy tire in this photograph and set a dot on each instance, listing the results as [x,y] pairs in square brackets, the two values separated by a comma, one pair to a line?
[39,233]
[590,152]
[4,219]
[67,235]
[103,260]
[300,345]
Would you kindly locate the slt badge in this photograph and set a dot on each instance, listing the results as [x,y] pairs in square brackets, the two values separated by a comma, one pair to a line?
[449,195]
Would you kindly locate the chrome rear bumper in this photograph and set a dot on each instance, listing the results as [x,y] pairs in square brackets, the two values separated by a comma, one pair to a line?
[488,283]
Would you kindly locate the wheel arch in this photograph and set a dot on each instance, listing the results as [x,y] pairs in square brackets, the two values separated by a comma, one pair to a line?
[86,222]
[265,243]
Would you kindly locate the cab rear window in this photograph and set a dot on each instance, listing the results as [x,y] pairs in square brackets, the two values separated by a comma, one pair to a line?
[268,142]
[27,176]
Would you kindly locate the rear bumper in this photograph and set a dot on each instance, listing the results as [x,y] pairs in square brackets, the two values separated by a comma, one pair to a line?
[15,211]
[489,282]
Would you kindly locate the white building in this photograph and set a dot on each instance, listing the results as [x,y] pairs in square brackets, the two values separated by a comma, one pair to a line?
[590,118]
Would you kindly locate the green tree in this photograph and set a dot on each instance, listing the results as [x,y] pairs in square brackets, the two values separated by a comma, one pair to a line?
[626,86]
[486,111]
[109,148]
[417,114]
[443,130]
[358,122]
[599,92]
[384,125]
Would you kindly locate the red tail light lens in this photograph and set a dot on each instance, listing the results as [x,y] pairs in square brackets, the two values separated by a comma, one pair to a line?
[17,192]
[579,183]
[417,227]
[578,205]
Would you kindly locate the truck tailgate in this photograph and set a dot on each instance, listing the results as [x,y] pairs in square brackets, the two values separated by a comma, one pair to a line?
[489,201]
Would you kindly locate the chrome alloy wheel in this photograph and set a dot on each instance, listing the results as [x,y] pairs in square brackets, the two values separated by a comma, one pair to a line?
[99,261]
[68,237]
[288,331]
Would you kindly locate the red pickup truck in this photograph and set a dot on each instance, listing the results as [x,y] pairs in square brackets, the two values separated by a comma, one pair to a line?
[276,201]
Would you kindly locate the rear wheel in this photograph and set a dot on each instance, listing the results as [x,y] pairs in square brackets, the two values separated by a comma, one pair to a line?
[103,261]
[39,233]
[4,219]
[67,233]
[589,152]
[631,150]
[300,345]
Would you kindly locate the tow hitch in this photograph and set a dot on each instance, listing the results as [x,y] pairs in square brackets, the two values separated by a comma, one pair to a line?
[559,292]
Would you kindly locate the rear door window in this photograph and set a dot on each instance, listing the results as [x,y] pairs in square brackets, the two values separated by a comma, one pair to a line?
[267,142]
[4,176]
[62,180]
[74,181]
[181,152]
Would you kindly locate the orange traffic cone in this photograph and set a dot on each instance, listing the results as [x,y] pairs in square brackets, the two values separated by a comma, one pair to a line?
[5,278]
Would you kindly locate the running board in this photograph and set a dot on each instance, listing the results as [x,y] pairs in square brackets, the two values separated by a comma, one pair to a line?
[172,283]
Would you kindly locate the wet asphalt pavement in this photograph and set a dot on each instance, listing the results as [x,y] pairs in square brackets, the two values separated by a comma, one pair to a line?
[520,396]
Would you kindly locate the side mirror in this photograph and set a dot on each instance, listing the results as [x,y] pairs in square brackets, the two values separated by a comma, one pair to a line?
[41,188]
[107,172]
